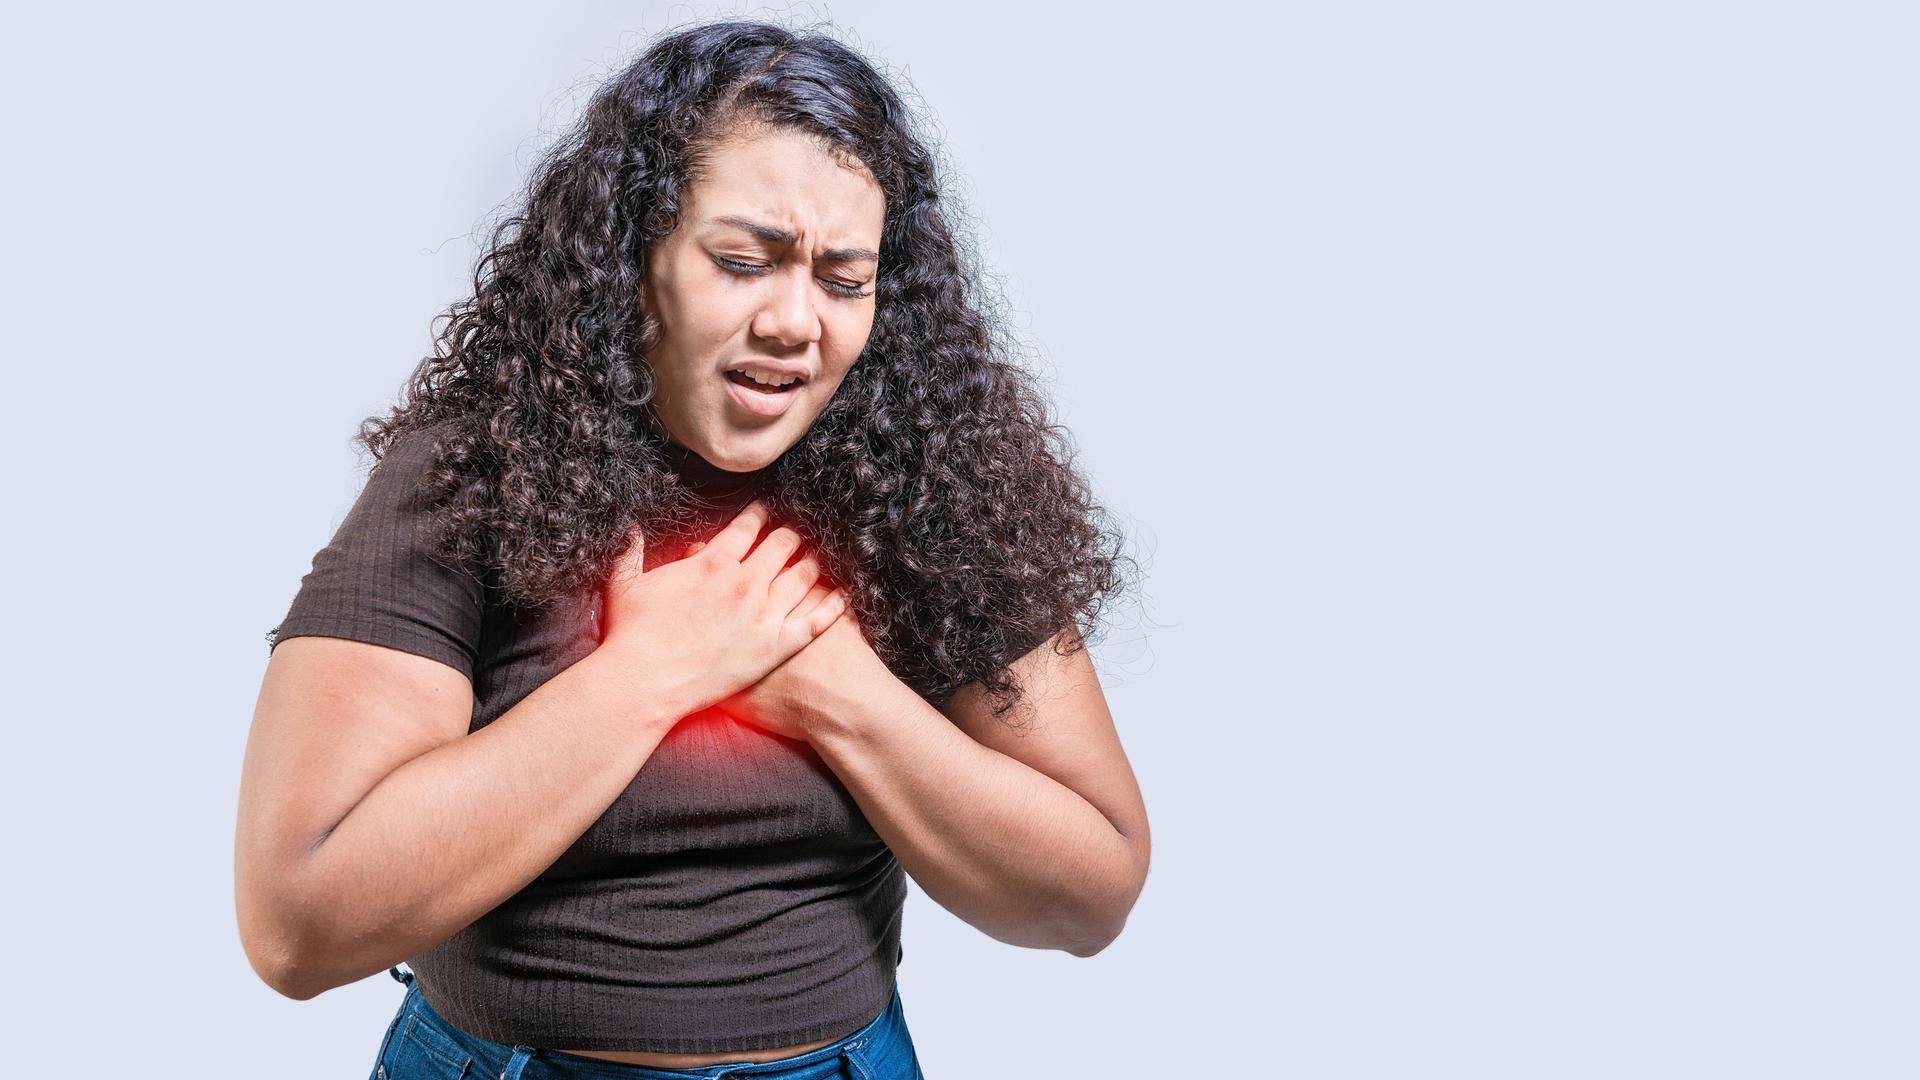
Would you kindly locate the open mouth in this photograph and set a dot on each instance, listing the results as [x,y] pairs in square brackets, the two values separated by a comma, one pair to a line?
[760,388]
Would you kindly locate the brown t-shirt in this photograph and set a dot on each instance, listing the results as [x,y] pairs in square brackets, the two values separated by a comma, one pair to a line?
[734,897]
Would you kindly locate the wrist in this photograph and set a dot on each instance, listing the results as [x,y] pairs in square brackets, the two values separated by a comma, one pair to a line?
[847,709]
[654,695]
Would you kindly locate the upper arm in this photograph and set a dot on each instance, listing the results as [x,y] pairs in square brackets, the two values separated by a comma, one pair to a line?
[1067,734]
[333,719]
[371,668]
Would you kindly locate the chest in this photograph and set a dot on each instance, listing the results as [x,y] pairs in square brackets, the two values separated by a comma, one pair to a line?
[713,785]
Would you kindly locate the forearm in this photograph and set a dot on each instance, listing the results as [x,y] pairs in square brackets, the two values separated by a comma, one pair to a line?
[449,835]
[1003,846]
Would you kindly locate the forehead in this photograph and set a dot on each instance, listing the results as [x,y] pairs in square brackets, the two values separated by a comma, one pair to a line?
[790,181]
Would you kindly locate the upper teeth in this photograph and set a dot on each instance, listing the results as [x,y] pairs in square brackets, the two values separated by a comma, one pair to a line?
[767,380]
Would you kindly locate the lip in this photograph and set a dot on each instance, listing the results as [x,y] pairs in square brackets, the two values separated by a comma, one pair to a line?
[765,366]
[760,404]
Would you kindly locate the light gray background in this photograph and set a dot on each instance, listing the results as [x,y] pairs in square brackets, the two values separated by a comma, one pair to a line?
[1513,405]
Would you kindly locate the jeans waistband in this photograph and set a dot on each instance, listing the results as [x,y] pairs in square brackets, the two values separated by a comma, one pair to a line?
[522,1062]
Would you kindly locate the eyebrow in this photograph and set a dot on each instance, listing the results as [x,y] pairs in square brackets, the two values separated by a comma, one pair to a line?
[773,235]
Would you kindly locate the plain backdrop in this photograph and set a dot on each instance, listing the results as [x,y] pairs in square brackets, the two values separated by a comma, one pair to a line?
[1511,405]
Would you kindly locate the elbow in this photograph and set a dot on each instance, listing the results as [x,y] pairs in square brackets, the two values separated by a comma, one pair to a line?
[296,966]
[288,978]
[279,964]
[281,945]
[1089,930]
[1088,948]
[1091,942]
[1095,931]
[291,969]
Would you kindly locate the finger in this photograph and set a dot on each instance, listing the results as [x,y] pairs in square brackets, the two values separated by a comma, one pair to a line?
[733,541]
[828,610]
[790,588]
[810,601]
[774,551]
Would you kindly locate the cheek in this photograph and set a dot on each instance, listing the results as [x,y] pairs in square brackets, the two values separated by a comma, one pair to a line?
[848,337]
[827,388]
[694,336]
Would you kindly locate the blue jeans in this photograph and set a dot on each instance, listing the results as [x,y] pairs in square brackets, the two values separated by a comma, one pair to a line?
[421,1045]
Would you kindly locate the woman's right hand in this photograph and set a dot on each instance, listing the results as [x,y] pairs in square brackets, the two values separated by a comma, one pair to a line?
[722,617]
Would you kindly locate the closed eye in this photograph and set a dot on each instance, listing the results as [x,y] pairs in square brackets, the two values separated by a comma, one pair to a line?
[839,288]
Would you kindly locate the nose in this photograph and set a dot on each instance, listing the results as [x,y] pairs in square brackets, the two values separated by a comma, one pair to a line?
[789,315]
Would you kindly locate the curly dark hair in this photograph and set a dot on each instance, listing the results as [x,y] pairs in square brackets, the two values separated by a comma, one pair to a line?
[933,486]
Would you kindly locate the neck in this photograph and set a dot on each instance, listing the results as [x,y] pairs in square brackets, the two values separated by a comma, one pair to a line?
[708,480]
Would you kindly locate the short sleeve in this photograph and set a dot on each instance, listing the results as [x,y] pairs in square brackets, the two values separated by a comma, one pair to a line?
[1022,644]
[377,580]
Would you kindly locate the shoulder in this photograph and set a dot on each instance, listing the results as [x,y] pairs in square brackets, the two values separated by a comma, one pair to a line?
[397,480]
[416,449]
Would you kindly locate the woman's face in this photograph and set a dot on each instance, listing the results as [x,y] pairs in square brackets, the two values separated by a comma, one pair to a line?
[771,269]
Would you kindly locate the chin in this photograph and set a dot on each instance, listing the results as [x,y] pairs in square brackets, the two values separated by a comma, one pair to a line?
[746,455]
[741,465]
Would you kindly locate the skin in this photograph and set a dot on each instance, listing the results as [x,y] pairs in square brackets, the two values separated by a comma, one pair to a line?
[361,754]
[799,308]
[1037,836]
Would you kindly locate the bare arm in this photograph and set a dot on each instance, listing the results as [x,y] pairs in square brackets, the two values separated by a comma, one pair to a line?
[446,836]
[372,826]
[1038,837]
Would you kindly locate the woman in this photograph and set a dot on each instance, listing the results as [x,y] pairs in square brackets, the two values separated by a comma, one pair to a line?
[717,569]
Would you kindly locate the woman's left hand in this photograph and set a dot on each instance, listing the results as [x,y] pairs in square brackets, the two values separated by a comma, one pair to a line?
[789,699]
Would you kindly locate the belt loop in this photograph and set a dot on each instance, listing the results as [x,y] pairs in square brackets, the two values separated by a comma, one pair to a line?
[399,976]
[855,1067]
[522,1053]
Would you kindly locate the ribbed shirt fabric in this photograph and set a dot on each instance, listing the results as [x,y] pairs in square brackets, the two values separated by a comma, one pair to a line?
[733,897]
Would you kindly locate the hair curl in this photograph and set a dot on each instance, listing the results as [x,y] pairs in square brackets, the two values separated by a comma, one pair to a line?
[933,485]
